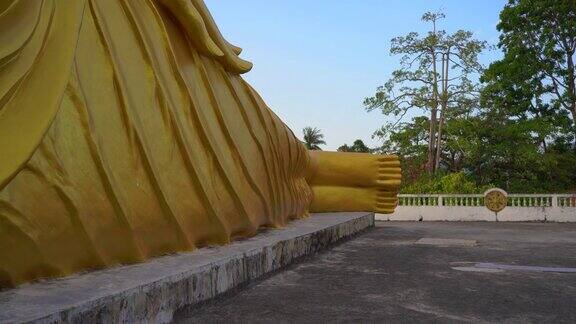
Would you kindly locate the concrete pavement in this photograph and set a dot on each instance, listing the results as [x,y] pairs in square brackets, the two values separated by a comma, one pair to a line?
[419,272]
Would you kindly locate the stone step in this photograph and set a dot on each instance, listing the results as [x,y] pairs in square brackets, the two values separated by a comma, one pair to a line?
[154,290]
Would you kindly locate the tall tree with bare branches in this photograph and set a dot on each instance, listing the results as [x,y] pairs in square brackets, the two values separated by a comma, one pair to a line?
[436,76]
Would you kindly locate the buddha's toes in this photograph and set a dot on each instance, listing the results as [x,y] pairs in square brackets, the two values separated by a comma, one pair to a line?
[354,182]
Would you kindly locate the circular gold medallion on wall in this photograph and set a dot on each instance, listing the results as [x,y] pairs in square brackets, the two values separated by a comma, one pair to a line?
[496,199]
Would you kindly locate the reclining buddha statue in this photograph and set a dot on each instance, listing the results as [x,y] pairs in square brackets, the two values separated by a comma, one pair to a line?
[127,132]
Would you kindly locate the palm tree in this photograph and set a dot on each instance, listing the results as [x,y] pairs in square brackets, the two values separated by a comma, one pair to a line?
[313,138]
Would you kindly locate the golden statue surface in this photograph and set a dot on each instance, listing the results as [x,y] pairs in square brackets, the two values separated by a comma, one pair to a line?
[127,132]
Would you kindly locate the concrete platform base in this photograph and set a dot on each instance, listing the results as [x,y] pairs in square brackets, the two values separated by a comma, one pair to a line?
[154,290]
[516,273]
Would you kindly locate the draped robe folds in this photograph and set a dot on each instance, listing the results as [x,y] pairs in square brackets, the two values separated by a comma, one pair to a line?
[126,132]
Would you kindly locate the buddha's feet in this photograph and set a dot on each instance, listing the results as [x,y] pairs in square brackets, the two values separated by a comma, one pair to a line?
[354,182]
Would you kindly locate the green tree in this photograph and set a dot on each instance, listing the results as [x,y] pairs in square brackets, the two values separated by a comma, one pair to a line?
[520,135]
[358,147]
[410,141]
[526,130]
[313,138]
[445,183]
[436,76]
[537,74]
[506,151]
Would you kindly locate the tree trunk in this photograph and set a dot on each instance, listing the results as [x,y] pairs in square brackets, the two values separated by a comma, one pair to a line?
[572,90]
[444,100]
[439,140]
[431,165]
[432,140]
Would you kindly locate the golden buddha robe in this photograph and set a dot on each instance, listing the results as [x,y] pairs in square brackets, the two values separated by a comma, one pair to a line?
[126,132]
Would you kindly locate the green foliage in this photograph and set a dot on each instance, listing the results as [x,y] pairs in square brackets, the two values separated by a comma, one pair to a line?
[520,135]
[418,83]
[509,153]
[525,130]
[313,138]
[409,140]
[537,74]
[435,76]
[451,183]
[358,147]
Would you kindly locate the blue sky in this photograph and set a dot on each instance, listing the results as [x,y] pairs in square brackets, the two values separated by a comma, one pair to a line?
[316,60]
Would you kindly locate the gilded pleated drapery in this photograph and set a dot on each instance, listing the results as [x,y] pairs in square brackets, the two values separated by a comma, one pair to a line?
[126,132]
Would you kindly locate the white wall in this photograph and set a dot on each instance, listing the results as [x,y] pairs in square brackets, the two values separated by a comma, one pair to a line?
[480,214]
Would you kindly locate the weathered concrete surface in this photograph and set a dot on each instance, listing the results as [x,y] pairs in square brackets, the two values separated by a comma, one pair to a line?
[382,276]
[152,291]
[445,242]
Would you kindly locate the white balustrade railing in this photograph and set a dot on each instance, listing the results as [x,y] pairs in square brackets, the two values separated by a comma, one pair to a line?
[475,200]
[566,201]
[465,207]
